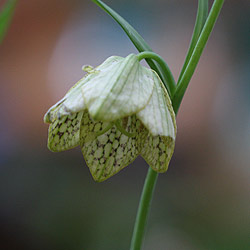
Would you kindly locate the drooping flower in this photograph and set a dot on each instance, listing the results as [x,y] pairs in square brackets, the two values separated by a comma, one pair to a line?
[115,112]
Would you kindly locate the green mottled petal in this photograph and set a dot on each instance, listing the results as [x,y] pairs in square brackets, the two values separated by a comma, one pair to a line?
[157,152]
[111,151]
[121,88]
[158,116]
[64,132]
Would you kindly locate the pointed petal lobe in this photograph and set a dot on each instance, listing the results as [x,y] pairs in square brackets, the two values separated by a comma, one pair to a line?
[157,152]
[108,153]
[64,132]
[159,118]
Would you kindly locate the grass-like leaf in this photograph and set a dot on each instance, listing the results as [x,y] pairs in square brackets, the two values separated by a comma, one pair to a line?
[196,54]
[136,39]
[5,17]
[201,18]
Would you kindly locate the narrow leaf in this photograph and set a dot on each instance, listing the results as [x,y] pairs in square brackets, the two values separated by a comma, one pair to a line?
[201,18]
[133,35]
[195,57]
[5,17]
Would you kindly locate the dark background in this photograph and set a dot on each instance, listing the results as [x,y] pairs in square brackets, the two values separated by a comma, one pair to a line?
[50,201]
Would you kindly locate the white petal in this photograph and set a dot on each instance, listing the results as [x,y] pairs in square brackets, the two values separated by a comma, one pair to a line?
[158,116]
[121,88]
[51,114]
[71,103]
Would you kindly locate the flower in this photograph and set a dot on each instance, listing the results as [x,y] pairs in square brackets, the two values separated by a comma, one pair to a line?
[115,112]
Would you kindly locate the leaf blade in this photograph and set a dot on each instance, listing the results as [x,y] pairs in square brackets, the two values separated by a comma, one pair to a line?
[201,18]
[133,35]
[5,17]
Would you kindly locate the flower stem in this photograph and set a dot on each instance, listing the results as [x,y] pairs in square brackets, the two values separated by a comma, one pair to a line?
[168,78]
[197,46]
[144,206]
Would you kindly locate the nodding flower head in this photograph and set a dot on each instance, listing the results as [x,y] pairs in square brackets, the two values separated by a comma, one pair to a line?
[117,111]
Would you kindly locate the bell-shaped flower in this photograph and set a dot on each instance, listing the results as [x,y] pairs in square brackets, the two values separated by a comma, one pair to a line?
[114,113]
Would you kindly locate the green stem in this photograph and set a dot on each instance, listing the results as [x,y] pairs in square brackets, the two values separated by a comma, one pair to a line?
[168,78]
[201,18]
[189,71]
[144,206]
[195,51]
[151,178]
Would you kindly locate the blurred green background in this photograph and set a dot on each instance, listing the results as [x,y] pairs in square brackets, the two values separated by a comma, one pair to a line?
[50,201]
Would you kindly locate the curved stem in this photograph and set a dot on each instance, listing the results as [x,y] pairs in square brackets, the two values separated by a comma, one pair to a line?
[151,178]
[168,78]
[189,71]
[144,206]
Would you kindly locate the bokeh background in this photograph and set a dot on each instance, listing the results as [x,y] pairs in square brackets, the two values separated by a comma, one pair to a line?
[50,201]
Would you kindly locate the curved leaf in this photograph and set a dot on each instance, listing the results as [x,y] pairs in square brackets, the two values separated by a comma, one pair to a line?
[201,18]
[133,35]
